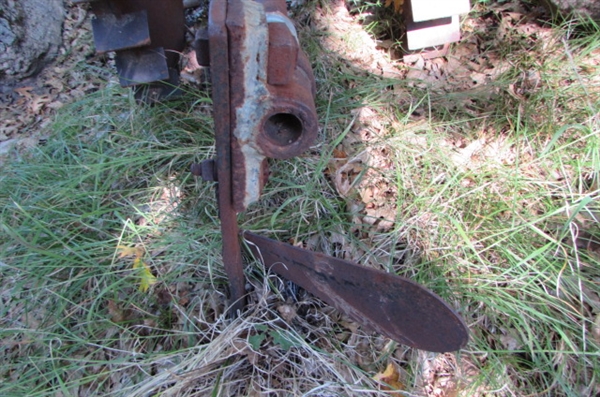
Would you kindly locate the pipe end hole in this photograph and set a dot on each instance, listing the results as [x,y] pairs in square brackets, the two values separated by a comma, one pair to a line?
[283,128]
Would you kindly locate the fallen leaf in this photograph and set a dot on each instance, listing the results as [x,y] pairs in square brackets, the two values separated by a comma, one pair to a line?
[147,279]
[288,312]
[348,174]
[164,297]
[283,339]
[116,313]
[390,378]
[38,102]
[125,251]
[256,340]
[25,92]
[339,154]
[397,4]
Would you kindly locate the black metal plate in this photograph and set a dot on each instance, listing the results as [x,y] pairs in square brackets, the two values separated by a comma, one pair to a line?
[141,66]
[119,32]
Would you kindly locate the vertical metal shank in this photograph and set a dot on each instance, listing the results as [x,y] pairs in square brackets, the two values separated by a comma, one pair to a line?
[219,58]
[255,117]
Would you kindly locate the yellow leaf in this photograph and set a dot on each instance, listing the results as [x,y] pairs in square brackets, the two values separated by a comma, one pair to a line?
[125,251]
[390,378]
[146,277]
[397,4]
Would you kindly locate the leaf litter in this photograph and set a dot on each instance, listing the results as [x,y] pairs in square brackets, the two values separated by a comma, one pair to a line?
[361,166]
[28,107]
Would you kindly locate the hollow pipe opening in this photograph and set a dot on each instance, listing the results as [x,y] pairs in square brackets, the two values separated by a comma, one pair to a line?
[283,128]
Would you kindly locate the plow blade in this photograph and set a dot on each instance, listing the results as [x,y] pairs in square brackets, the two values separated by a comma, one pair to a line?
[391,305]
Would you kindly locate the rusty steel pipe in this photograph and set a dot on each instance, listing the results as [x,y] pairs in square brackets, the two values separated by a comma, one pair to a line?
[289,126]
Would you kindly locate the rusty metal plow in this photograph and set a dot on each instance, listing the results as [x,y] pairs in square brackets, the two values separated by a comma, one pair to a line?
[263,107]
[263,95]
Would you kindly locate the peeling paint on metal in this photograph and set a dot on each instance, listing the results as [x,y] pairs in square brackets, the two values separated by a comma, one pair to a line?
[254,48]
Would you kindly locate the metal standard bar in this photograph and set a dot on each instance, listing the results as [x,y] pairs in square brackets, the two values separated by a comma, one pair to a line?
[219,58]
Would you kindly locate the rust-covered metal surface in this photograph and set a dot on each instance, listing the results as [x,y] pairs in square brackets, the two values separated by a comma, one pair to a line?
[272,98]
[120,32]
[255,117]
[393,306]
[141,65]
[219,55]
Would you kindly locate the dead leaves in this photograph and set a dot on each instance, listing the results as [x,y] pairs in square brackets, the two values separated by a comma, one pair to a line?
[116,313]
[347,38]
[397,4]
[349,174]
[26,110]
[358,177]
[146,278]
[475,63]
[34,103]
[390,379]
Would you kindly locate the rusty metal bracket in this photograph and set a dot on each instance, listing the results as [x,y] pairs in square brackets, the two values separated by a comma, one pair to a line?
[255,117]
[272,104]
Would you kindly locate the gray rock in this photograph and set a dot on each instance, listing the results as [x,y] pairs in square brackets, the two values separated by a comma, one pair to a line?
[30,35]
[6,146]
[7,36]
[581,8]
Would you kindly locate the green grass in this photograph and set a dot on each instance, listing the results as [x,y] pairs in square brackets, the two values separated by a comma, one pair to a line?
[492,233]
